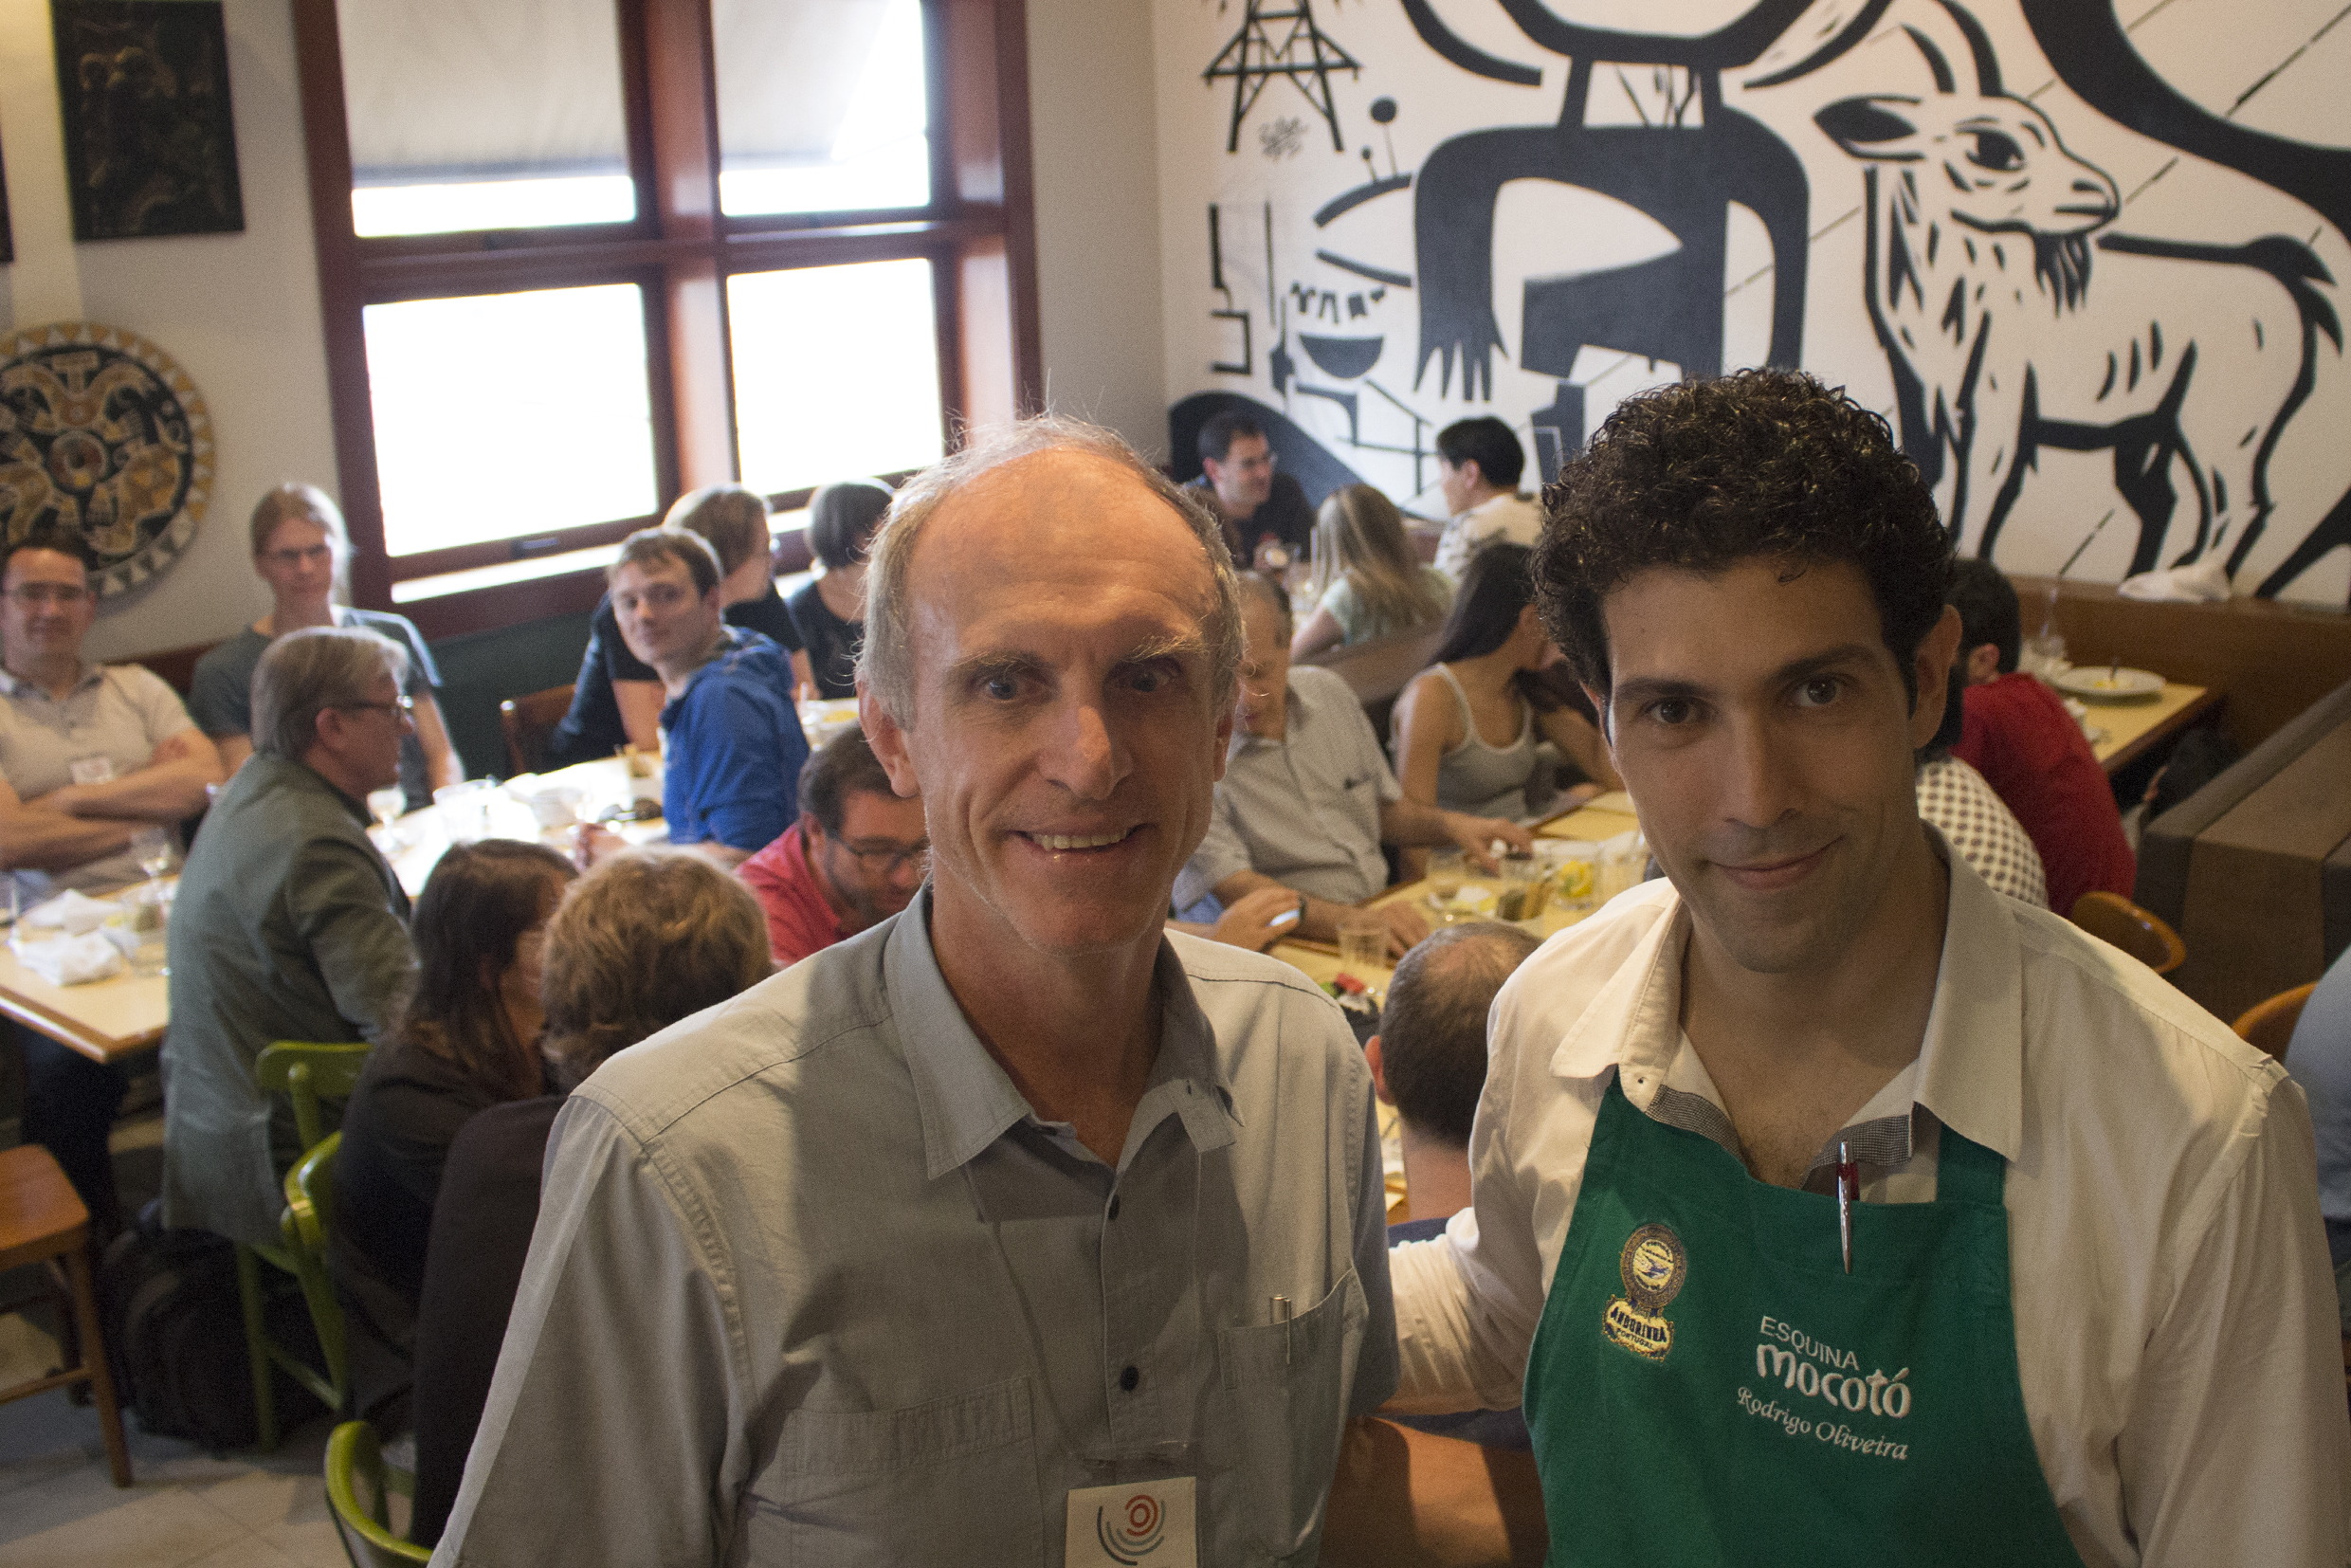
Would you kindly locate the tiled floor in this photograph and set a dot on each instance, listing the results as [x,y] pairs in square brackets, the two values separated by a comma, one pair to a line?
[186,1509]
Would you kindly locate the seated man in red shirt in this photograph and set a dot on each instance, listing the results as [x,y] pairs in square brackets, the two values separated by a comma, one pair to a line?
[857,854]
[2018,735]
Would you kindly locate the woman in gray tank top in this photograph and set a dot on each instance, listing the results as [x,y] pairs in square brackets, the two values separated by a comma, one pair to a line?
[1468,729]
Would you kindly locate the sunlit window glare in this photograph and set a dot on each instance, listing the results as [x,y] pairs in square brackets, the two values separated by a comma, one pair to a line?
[880,155]
[503,415]
[449,206]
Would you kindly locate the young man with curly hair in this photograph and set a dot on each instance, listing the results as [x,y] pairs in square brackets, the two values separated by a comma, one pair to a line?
[1829,1205]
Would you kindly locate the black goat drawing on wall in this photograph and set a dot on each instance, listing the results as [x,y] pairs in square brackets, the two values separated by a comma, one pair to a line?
[1980,285]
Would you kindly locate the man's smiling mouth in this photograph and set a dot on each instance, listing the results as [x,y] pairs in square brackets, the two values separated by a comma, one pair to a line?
[1077,841]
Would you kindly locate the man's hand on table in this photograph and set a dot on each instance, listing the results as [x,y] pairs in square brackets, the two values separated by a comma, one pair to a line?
[1476,835]
[1250,922]
[1406,925]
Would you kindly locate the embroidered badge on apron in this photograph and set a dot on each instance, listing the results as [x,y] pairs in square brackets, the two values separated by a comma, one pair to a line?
[1653,1266]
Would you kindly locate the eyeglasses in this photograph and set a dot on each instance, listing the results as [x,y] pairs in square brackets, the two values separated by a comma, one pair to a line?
[404,706]
[64,595]
[886,857]
[303,557]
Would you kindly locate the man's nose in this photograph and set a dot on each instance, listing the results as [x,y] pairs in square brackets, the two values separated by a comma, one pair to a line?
[1761,782]
[1082,756]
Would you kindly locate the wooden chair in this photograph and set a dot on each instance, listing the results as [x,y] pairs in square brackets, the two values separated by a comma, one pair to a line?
[42,1220]
[305,1073]
[528,720]
[2271,1025]
[355,1460]
[2142,936]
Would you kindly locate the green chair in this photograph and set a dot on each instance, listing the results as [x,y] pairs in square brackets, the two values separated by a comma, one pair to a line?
[306,1073]
[353,1460]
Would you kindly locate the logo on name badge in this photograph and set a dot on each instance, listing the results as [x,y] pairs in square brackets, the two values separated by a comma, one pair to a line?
[1653,1266]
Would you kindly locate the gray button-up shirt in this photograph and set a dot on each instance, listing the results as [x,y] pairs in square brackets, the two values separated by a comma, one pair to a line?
[813,1283]
[1304,810]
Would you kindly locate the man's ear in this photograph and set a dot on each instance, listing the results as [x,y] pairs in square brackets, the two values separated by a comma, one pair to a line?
[888,742]
[1984,663]
[1468,468]
[1379,1073]
[1932,665]
[1224,739]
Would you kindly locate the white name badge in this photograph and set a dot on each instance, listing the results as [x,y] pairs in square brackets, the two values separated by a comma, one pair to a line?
[1135,1523]
[92,769]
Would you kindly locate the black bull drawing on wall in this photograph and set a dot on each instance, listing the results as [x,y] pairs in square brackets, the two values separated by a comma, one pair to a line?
[2013,318]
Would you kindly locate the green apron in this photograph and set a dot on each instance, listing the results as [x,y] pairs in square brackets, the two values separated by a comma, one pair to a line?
[1708,1385]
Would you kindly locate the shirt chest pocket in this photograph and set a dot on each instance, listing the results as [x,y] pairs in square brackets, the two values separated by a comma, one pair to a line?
[952,1480]
[1285,1391]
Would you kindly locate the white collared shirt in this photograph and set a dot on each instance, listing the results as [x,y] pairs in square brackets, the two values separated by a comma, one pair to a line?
[2175,1317]
[1512,518]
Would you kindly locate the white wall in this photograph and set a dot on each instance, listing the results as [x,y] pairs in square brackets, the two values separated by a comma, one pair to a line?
[1092,128]
[240,312]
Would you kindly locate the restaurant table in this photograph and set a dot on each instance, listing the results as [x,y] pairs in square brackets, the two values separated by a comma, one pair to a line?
[2121,733]
[415,843]
[105,1020]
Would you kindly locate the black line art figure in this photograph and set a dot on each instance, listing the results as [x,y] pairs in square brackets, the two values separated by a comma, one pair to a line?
[1216,281]
[2094,58]
[1459,50]
[1979,279]
[1306,54]
[1683,174]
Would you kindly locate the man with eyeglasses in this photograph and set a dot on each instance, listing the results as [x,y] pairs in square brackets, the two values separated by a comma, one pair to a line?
[857,854]
[1262,510]
[89,756]
[289,925]
[731,742]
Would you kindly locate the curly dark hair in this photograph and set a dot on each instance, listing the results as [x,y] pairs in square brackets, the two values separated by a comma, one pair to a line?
[1703,475]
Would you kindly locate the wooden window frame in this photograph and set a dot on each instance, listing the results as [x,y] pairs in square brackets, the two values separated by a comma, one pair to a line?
[978,232]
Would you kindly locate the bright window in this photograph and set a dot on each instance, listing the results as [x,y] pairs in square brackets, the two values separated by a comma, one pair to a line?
[836,373]
[500,414]
[822,105]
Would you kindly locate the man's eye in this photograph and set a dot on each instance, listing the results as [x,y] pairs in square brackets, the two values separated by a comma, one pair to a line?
[1147,680]
[1818,692]
[1002,687]
[1672,710]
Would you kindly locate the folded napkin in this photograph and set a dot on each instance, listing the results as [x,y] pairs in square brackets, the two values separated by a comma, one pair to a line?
[71,960]
[2206,582]
[75,911]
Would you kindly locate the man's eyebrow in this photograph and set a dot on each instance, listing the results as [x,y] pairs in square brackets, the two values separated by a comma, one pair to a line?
[1653,688]
[1166,646]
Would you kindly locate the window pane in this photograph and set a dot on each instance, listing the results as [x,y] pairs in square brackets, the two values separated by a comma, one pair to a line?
[470,116]
[836,373]
[820,105]
[503,415]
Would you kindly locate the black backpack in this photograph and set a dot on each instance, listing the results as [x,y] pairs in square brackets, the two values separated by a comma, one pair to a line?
[177,1331]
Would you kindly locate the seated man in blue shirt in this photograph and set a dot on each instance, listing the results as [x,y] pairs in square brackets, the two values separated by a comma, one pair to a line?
[731,740]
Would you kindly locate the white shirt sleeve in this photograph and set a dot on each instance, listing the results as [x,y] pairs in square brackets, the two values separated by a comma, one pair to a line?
[610,1430]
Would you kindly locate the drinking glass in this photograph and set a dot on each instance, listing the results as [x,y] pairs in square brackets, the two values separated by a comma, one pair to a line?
[388,804]
[1363,943]
[153,846]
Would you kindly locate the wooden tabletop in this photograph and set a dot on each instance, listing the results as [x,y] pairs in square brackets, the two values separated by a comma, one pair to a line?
[104,1020]
[2121,733]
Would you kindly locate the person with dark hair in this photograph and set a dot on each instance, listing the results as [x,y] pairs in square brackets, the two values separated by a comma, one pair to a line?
[1956,802]
[857,854]
[289,926]
[302,551]
[1816,1169]
[465,1038]
[1479,462]
[829,609]
[1367,581]
[1485,683]
[1429,1062]
[1308,799]
[731,741]
[1269,522]
[2017,733]
[616,698]
[90,756]
[642,942]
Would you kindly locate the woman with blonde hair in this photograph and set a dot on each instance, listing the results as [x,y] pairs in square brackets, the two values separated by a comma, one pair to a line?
[302,550]
[1368,580]
[643,941]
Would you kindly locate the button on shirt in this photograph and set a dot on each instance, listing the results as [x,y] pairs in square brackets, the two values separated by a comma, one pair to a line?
[1304,809]
[812,1283]
[2175,1311]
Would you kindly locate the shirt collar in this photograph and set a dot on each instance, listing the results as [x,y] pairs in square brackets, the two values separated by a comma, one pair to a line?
[1970,1068]
[966,1102]
[85,675]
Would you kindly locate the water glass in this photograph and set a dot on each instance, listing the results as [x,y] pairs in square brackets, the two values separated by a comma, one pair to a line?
[1363,943]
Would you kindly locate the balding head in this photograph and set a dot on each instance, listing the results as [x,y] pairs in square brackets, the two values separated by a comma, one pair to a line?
[1432,1031]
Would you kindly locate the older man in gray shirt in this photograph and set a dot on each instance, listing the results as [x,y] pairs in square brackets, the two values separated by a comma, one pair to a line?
[1011,1230]
[1307,798]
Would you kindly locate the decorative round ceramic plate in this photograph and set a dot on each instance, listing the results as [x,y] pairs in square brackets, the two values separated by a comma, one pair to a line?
[2106,684]
[104,434]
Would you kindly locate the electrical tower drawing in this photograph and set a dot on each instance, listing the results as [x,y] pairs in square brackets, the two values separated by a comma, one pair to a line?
[1252,59]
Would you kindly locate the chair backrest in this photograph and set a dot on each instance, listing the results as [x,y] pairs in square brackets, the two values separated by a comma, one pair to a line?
[307,1073]
[310,1196]
[2270,1026]
[354,1461]
[527,720]
[2115,920]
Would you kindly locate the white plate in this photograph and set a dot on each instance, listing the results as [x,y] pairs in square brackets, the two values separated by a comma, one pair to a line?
[2104,683]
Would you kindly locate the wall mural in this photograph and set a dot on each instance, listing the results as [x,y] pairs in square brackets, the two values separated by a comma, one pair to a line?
[2093,273]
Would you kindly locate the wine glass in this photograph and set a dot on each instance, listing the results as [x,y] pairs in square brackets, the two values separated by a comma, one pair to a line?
[153,846]
[388,804]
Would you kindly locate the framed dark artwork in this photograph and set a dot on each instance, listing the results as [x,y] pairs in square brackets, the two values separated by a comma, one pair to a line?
[150,143]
